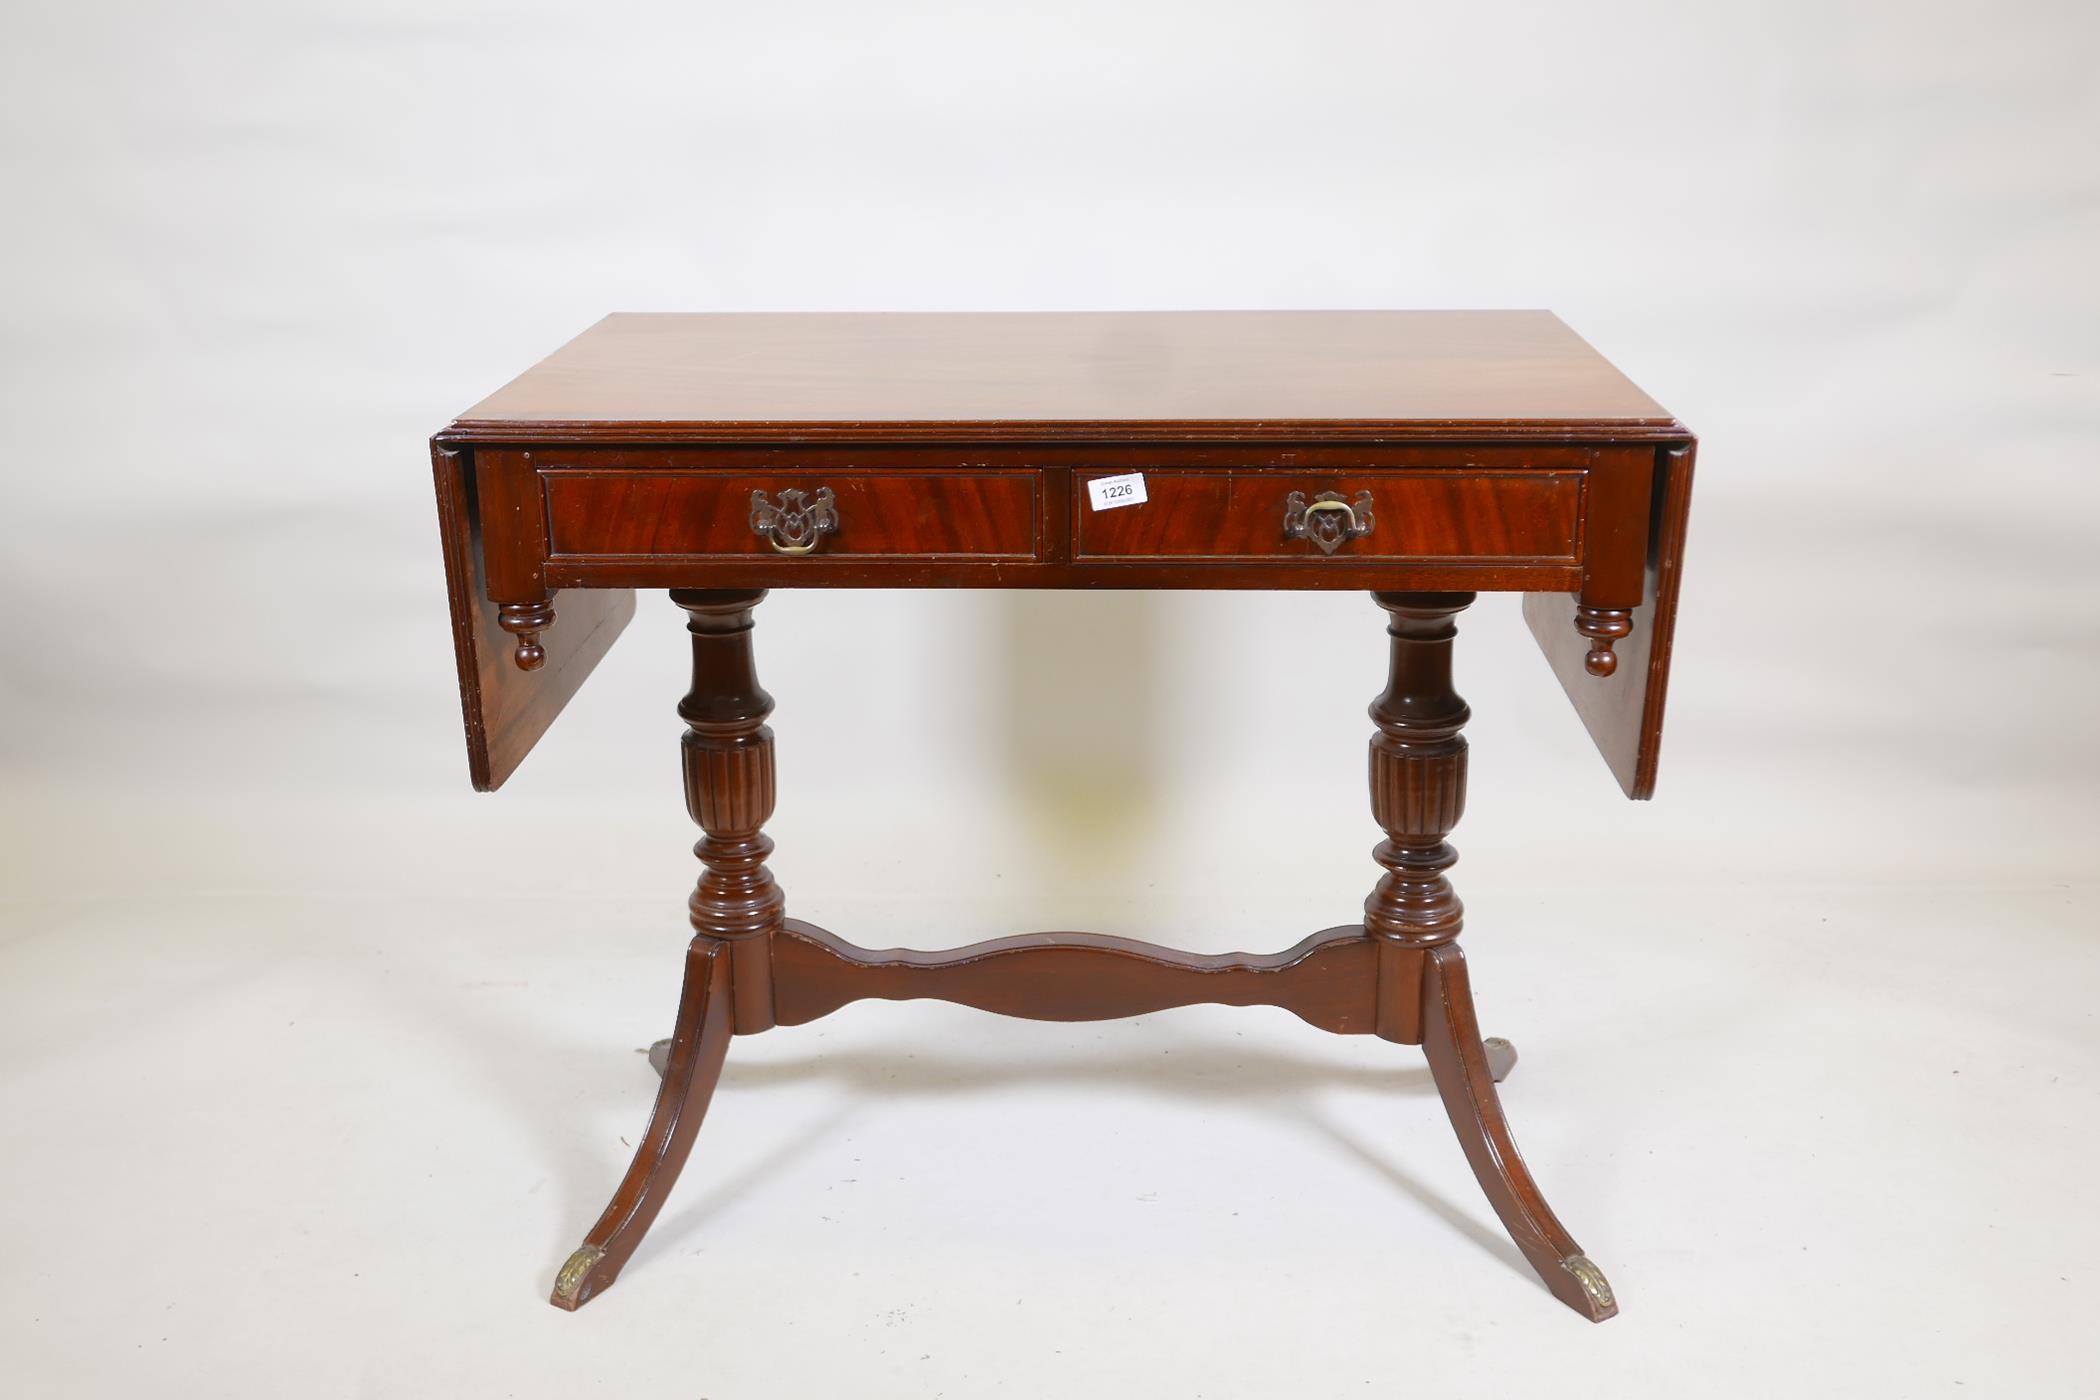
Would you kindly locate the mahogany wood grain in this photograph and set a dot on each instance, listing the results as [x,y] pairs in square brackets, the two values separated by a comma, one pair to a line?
[506,710]
[1499,451]
[698,1047]
[702,514]
[1056,465]
[1512,516]
[1326,980]
[735,910]
[1398,974]
[1310,453]
[1236,374]
[514,538]
[1465,1079]
[1418,794]
[1285,571]
[1624,711]
[1418,772]
[728,754]
[1619,490]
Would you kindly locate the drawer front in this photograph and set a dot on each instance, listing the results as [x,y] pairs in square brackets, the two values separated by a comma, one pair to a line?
[596,513]
[1451,515]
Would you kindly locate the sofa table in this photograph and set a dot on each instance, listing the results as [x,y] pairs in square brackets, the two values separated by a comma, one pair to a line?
[1422,456]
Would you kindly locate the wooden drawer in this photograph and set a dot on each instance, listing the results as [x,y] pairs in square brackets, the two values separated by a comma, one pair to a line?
[1459,514]
[597,513]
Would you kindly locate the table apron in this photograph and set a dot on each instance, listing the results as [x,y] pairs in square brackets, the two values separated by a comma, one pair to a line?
[1479,576]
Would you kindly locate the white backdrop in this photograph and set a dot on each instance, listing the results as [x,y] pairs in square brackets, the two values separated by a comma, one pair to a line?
[255,253]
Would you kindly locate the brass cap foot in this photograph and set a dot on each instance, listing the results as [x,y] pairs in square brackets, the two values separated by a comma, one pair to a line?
[571,1290]
[1595,1287]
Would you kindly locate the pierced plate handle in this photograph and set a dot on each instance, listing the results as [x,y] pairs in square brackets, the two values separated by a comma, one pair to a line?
[796,523]
[1327,520]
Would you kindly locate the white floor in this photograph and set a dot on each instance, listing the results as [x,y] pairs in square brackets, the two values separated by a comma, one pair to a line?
[1824,1142]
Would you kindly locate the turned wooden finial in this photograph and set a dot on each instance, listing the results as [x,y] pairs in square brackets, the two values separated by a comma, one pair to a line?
[526,621]
[1602,626]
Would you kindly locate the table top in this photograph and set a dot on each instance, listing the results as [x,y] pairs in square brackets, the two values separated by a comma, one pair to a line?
[1236,374]
[1445,451]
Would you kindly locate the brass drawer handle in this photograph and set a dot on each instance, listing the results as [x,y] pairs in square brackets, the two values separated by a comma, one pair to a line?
[795,524]
[1328,520]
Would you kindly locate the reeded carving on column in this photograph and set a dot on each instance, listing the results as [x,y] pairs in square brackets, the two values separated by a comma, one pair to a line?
[1418,773]
[728,750]
[1414,788]
[736,896]
[1602,626]
[526,621]
[729,780]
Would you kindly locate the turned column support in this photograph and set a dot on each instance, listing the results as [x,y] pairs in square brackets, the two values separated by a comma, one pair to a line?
[749,968]
[728,752]
[1418,793]
[736,910]
[1418,773]
[1418,790]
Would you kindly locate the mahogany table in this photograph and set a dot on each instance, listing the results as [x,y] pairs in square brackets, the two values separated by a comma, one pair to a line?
[1424,456]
